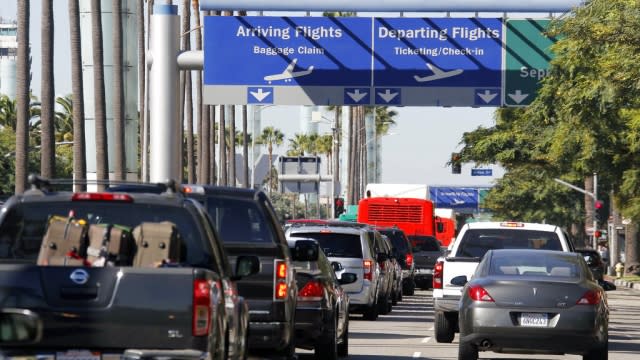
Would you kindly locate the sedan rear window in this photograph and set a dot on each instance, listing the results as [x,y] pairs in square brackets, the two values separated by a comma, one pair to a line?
[528,264]
[335,244]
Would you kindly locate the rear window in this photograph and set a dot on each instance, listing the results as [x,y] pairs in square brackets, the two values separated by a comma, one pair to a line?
[239,220]
[336,244]
[23,228]
[424,243]
[476,242]
[527,264]
[400,243]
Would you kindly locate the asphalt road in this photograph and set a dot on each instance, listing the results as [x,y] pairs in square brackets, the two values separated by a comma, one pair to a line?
[407,333]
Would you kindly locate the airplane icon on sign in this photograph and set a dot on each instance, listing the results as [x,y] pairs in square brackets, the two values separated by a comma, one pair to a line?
[437,74]
[288,73]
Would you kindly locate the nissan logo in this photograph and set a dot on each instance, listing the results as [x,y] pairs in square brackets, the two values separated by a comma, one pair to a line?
[79,276]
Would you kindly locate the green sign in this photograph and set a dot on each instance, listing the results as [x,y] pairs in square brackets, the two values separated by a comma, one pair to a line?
[526,60]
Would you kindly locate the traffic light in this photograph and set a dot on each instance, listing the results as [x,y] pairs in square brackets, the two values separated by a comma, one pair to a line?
[456,164]
[598,213]
[338,206]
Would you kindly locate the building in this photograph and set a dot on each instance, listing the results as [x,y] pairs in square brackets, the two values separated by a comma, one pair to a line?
[8,52]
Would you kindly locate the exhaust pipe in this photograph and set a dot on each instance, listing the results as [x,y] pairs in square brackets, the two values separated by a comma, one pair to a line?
[485,344]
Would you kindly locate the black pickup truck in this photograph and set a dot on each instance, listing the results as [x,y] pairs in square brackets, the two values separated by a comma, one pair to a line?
[98,312]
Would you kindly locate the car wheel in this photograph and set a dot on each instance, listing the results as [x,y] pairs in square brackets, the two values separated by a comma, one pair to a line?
[384,305]
[467,351]
[327,347]
[343,347]
[444,327]
[599,353]
[371,312]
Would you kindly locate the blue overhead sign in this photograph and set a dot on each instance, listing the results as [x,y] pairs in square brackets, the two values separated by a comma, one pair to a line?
[450,197]
[353,61]
[481,172]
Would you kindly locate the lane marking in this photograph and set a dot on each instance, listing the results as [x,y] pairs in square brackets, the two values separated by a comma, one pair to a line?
[417,354]
[431,329]
[425,339]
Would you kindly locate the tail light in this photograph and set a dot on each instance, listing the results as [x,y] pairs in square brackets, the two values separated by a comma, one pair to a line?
[312,290]
[437,275]
[409,260]
[478,293]
[201,307]
[591,297]
[367,267]
[280,282]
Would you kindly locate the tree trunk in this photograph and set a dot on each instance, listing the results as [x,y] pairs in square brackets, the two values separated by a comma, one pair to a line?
[222,150]
[589,209]
[79,145]
[47,98]
[201,164]
[146,114]
[232,147]
[142,65]
[245,147]
[102,159]
[270,150]
[191,159]
[119,166]
[206,145]
[23,77]
[632,258]
[212,145]
[353,145]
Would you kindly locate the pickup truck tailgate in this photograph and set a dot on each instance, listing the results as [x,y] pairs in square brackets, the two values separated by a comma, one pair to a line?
[106,307]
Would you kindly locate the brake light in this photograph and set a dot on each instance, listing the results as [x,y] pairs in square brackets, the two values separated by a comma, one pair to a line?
[591,297]
[280,285]
[312,290]
[201,307]
[437,275]
[409,260]
[367,267]
[511,224]
[191,189]
[101,197]
[478,293]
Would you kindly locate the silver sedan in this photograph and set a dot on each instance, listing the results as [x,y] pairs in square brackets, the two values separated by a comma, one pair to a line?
[533,302]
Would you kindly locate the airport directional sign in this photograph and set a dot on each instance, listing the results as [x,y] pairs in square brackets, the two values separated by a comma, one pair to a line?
[527,57]
[373,61]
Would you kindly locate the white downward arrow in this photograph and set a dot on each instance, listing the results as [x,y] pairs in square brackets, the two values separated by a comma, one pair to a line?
[487,96]
[260,95]
[387,96]
[356,96]
[518,96]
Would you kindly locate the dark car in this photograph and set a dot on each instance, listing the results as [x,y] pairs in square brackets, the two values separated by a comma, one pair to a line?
[426,250]
[248,225]
[403,252]
[594,261]
[530,301]
[322,311]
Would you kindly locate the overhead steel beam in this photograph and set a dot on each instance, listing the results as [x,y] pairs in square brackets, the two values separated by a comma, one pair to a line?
[394,5]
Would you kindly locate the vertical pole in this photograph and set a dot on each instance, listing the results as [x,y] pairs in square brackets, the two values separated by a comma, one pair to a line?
[163,100]
[595,199]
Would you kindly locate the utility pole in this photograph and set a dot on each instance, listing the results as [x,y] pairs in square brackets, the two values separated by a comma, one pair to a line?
[593,195]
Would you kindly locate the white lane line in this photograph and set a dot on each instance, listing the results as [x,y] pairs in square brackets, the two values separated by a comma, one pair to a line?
[431,329]
[417,354]
[425,339]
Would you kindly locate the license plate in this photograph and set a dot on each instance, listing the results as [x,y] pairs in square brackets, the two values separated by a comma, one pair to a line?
[534,319]
[425,271]
[78,355]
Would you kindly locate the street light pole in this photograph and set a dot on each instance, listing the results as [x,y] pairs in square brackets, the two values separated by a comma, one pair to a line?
[316,116]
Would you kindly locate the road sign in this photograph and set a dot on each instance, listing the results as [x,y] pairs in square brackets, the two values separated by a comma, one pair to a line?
[481,172]
[301,60]
[527,57]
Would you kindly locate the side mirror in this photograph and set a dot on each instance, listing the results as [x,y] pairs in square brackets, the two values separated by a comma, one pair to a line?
[336,266]
[305,250]
[19,326]
[348,278]
[382,257]
[460,280]
[246,265]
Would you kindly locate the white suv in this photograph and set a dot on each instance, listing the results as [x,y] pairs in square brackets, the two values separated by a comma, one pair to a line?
[468,248]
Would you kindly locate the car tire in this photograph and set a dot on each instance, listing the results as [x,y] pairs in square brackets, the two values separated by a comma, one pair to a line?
[599,353]
[467,351]
[384,305]
[343,347]
[444,327]
[327,347]
[371,312]
[409,289]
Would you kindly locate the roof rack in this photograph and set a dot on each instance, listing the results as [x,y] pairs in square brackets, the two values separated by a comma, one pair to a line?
[46,185]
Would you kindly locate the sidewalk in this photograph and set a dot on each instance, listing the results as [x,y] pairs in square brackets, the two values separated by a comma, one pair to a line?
[635,285]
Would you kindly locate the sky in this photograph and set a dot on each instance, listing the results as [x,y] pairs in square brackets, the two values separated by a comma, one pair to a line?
[416,153]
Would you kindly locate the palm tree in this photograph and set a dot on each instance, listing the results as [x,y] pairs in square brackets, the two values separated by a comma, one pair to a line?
[63,121]
[187,104]
[22,96]
[196,13]
[141,75]
[119,166]
[246,139]
[324,144]
[232,148]
[270,136]
[102,157]
[77,100]
[298,145]
[47,146]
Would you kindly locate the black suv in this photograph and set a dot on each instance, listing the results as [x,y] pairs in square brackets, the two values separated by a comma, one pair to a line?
[403,252]
[248,225]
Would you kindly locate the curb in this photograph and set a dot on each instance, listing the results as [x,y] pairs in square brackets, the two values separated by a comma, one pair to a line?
[627,284]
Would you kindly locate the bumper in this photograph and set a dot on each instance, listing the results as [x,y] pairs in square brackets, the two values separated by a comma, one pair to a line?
[142,354]
[535,342]
[310,325]
[446,304]
[269,335]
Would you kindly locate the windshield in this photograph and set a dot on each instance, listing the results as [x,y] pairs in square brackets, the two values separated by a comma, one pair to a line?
[239,220]
[476,242]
